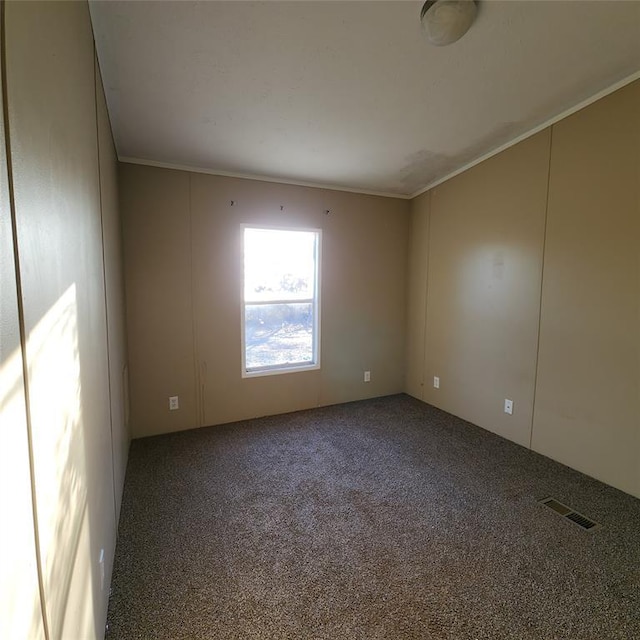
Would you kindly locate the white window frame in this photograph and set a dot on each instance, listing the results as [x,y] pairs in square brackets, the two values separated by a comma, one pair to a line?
[271,370]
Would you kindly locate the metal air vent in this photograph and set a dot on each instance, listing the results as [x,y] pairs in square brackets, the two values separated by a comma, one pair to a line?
[568,513]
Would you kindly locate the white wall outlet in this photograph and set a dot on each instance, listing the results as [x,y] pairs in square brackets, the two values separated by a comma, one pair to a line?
[101,563]
[367,376]
[508,406]
[436,382]
[173,403]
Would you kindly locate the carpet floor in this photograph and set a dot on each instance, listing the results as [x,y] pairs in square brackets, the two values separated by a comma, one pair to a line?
[384,518]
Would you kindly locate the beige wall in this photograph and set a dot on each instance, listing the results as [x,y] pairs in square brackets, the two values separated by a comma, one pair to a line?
[508,274]
[114,292]
[417,274]
[63,167]
[485,261]
[182,262]
[157,241]
[20,608]
[588,395]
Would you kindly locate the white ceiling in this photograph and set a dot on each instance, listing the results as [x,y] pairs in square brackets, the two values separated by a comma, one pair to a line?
[348,94]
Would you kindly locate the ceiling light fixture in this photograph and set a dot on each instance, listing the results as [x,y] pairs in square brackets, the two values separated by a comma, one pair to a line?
[446,21]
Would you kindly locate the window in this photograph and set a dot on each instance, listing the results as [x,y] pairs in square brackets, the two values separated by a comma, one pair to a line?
[281,300]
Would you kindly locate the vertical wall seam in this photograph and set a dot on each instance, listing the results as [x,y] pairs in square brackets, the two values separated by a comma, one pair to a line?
[21,321]
[426,301]
[126,410]
[544,247]
[197,380]
[104,281]
[406,340]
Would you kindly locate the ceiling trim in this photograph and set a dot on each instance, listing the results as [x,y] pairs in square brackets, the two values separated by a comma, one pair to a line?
[531,132]
[245,176]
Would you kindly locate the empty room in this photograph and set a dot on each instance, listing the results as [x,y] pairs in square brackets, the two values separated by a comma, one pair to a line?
[320,320]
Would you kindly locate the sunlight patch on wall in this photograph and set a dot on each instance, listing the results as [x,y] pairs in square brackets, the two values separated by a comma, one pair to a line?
[59,447]
[20,613]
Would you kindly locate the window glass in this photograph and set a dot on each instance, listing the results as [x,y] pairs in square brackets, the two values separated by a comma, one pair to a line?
[280,300]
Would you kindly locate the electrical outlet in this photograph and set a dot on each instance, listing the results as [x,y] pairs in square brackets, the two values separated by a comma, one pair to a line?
[173,403]
[436,382]
[508,406]
[367,376]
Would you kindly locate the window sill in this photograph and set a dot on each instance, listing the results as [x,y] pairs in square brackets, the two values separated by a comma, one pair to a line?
[258,373]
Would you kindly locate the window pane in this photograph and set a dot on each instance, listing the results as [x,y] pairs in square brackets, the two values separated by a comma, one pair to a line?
[279,265]
[278,334]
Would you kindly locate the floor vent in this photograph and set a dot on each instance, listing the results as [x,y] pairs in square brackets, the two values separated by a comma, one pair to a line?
[568,513]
